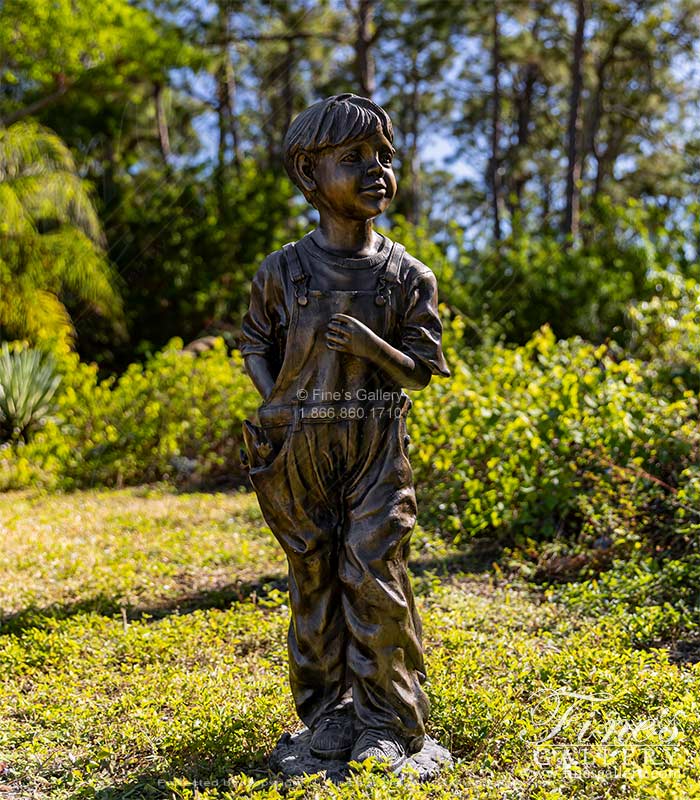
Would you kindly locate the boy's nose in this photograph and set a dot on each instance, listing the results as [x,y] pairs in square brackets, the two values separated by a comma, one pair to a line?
[375,167]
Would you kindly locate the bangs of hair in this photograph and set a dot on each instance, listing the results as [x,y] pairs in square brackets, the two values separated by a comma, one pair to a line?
[333,122]
[347,120]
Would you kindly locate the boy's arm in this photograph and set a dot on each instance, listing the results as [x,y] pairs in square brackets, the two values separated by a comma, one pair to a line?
[348,335]
[419,355]
[257,343]
[258,370]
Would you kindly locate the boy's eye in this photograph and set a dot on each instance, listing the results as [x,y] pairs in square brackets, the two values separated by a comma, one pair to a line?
[351,157]
[386,157]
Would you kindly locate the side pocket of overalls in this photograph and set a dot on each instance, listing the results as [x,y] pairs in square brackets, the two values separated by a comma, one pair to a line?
[257,448]
[262,454]
[404,438]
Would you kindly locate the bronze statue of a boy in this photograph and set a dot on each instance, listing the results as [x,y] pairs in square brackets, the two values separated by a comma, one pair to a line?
[338,323]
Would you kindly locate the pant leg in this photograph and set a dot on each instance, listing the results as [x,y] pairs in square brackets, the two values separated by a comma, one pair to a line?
[384,654]
[293,496]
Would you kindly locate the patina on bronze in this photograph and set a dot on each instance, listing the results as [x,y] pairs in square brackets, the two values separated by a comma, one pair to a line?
[339,324]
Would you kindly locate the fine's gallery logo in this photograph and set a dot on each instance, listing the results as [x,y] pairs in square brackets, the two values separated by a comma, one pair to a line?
[575,731]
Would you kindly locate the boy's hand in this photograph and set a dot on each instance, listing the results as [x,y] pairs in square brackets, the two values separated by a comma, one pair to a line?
[348,335]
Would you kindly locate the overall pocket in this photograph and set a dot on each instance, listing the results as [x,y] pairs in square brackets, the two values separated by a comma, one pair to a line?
[264,448]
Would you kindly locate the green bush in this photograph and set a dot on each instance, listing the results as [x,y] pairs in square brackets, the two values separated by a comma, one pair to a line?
[531,279]
[553,440]
[665,332]
[178,417]
[28,382]
[658,599]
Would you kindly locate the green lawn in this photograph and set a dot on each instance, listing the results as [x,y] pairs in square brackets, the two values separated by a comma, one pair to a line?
[142,655]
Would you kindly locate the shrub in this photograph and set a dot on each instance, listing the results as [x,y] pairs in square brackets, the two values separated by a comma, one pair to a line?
[553,440]
[177,417]
[665,331]
[531,278]
[28,382]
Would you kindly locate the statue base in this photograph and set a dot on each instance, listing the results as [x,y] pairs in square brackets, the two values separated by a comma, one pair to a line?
[292,758]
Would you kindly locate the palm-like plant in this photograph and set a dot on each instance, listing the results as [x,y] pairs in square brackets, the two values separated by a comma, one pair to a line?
[50,238]
[28,382]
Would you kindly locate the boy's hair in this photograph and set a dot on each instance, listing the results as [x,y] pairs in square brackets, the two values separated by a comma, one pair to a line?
[332,122]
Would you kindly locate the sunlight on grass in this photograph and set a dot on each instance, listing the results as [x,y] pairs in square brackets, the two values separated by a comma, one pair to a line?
[144,656]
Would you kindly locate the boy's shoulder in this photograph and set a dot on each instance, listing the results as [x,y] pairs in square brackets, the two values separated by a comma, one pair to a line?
[273,262]
[415,277]
[412,270]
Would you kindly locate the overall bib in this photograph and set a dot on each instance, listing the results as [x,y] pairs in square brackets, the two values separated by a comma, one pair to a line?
[330,469]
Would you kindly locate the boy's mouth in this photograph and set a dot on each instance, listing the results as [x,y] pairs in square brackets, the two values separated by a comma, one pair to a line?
[374,188]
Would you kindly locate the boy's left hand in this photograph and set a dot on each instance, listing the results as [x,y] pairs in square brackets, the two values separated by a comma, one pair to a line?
[348,335]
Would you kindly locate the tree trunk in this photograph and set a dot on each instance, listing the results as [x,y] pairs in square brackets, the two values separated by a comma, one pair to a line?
[62,86]
[162,123]
[494,164]
[595,112]
[524,106]
[227,87]
[573,171]
[408,201]
[363,48]
[288,85]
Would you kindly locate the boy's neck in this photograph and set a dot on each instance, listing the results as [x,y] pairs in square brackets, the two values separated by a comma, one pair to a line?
[347,237]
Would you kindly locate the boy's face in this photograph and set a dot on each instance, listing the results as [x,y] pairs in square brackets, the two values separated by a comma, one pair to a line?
[355,180]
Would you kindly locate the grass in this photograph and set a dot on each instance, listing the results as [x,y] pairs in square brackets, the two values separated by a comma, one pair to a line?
[142,655]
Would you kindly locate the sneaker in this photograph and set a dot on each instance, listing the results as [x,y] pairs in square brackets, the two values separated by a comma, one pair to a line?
[333,736]
[383,744]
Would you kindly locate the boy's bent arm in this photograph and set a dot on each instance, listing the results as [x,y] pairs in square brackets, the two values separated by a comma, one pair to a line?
[401,368]
[420,354]
[348,335]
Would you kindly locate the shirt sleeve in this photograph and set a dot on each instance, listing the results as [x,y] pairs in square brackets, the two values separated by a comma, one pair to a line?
[260,321]
[421,335]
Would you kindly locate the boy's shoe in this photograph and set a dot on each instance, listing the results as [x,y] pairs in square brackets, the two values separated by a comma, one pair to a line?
[383,744]
[333,736]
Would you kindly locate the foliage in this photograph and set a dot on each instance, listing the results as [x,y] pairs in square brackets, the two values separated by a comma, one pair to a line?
[50,50]
[553,439]
[510,117]
[175,245]
[28,382]
[665,332]
[50,238]
[177,416]
[111,689]
[175,112]
[657,598]
[631,256]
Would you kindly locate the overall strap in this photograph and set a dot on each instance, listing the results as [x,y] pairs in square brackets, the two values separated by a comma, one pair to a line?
[297,274]
[390,276]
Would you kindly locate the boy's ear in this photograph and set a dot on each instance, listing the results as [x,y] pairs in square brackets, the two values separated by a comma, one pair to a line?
[304,167]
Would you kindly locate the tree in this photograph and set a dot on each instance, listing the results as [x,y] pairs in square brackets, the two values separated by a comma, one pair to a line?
[48,50]
[366,34]
[413,52]
[51,241]
[573,149]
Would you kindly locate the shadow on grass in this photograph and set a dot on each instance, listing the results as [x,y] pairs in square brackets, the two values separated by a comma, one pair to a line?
[154,785]
[479,558]
[218,597]
[682,651]
[227,757]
